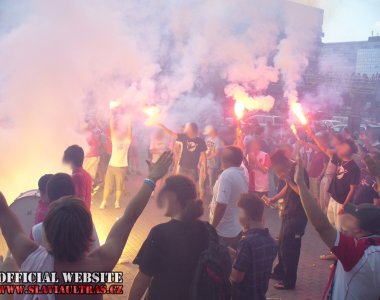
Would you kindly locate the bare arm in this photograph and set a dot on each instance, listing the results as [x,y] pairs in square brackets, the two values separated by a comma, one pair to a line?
[139,286]
[318,142]
[111,251]
[18,243]
[167,131]
[220,210]
[314,214]
[204,164]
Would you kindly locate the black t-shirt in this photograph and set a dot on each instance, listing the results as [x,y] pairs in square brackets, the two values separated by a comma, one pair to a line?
[170,255]
[292,203]
[347,173]
[365,192]
[191,151]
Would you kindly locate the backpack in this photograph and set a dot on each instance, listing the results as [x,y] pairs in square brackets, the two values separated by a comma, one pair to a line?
[212,273]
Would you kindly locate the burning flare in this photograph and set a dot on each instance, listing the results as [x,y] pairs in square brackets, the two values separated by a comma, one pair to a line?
[114,104]
[239,110]
[153,113]
[296,108]
[240,95]
[294,130]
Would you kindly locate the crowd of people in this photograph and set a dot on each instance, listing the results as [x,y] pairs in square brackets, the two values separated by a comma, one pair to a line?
[216,244]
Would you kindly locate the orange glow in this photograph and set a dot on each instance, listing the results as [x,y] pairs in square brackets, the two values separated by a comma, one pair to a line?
[113,104]
[294,130]
[296,108]
[239,109]
[240,95]
[153,113]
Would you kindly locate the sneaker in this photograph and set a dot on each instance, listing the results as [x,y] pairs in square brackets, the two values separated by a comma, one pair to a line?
[103,205]
[117,204]
[282,286]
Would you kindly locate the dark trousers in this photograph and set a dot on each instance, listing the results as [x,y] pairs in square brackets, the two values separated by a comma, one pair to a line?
[292,230]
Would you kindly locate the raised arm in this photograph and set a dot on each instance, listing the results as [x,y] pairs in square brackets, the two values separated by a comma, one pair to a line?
[110,252]
[318,142]
[18,243]
[168,131]
[314,214]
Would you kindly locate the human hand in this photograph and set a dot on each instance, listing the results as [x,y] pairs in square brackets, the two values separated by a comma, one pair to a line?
[160,168]
[341,211]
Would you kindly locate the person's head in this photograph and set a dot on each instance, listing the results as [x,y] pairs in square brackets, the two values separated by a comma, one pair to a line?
[251,210]
[191,130]
[159,134]
[336,140]
[42,183]
[346,149]
[288,150]
[361,220]
[68,229]
[74,156]
[259,131]
[281,164]
[210,131]
[231,157]
[255,146]
[347,134]
[59,185]
[179,197]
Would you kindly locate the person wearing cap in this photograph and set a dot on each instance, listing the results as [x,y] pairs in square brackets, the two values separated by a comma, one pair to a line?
[356,275]
[214,146]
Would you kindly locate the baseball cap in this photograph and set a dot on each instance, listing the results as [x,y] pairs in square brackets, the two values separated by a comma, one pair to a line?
[368,216]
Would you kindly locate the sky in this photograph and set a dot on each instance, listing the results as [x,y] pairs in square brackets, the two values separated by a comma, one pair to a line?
[348,20]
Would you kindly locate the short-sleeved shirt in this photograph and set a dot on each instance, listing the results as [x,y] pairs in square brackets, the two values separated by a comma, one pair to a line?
[347,173]
[227,190]
[191,151]
[255,255]
[366,192]
[83,185]
[120,148]
[213,144]
[170,255]
[357,273]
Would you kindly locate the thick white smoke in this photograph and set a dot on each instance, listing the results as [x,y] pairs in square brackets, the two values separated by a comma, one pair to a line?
[61,61]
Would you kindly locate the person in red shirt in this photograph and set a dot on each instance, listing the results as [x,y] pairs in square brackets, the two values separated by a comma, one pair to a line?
[43,203]
[74,156]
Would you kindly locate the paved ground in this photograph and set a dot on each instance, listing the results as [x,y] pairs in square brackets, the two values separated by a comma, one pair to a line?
[312,274]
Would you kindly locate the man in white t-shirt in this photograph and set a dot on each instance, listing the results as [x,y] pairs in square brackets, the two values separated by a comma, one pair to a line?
[357,248]
[224,213]
[121,137]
